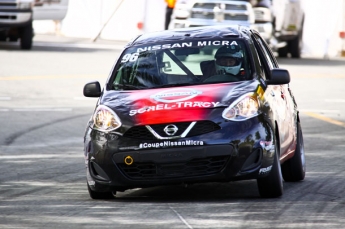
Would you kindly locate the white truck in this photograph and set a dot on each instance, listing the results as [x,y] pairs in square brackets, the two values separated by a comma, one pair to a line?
[280,22]
[16,21]
[16,18]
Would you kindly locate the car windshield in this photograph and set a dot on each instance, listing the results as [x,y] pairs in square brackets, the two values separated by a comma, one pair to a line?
[182,63]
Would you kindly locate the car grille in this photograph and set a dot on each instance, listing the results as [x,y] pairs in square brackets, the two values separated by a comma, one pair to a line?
[195,167]
[236,17]
[231,11]
[201,127]
[5,4]
[210,6]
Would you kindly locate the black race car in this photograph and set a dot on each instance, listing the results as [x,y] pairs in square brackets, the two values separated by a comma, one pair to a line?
[171,114]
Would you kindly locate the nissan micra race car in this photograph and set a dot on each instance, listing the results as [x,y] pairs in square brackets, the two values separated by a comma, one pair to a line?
[171,114]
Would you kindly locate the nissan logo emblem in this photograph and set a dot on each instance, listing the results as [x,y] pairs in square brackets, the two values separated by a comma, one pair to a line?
[170,129]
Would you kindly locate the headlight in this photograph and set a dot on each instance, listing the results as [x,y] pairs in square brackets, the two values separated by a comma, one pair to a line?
[181,14]
[181,10]
[105,119]
[24,5]
[179,25]
[246,107]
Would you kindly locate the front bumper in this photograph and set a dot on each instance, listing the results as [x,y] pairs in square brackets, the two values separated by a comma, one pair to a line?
[225,156]
[11,18]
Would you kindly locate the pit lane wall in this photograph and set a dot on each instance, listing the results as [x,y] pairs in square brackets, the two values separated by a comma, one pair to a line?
[88,18]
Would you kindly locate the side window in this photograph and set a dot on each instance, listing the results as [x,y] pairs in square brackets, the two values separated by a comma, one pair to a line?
[170,66]
[269,56]
[260,62]
[266,57]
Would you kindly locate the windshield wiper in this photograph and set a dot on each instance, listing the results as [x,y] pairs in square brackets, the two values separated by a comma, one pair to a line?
[174,85]
[127,86]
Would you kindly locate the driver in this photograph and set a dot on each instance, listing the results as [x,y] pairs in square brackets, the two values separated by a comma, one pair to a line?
[228,60]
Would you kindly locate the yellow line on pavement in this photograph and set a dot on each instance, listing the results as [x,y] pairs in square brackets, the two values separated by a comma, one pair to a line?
[326,119]
[9,78]
[304,75]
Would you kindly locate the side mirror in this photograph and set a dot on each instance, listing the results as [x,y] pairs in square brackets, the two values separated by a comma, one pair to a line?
[279,76]
[92,89]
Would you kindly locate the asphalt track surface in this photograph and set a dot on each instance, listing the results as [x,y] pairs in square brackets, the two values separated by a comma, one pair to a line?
[42,180]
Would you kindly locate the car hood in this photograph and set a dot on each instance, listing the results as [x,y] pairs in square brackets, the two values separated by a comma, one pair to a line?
[176,104]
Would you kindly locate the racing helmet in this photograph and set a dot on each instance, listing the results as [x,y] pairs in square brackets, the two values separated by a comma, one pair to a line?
[228,60]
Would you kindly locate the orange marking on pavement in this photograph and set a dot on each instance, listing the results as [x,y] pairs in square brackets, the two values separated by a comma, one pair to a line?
[301,75]
[326,119]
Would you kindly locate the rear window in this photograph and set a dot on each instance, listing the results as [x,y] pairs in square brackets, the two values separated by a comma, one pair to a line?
[182,63]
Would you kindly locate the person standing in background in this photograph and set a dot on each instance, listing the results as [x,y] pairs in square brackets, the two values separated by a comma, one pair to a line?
[168,12]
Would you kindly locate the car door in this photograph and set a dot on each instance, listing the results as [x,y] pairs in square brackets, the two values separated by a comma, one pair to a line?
[50,9]
[281,97]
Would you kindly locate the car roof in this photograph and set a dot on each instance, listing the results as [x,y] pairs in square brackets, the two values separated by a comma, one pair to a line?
[213,32]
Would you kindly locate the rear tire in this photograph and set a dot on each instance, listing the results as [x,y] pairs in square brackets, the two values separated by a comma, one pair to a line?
[295,47]
[100,195]
[271,186]
[283,52]
[26,36]
[294,169]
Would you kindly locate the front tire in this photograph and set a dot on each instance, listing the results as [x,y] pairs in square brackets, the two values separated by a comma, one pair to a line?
[271,186]
[100,195]
[294,169]
[26,36]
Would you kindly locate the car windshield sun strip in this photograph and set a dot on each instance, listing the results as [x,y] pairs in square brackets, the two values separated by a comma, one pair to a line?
[174,85]
[127,86]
